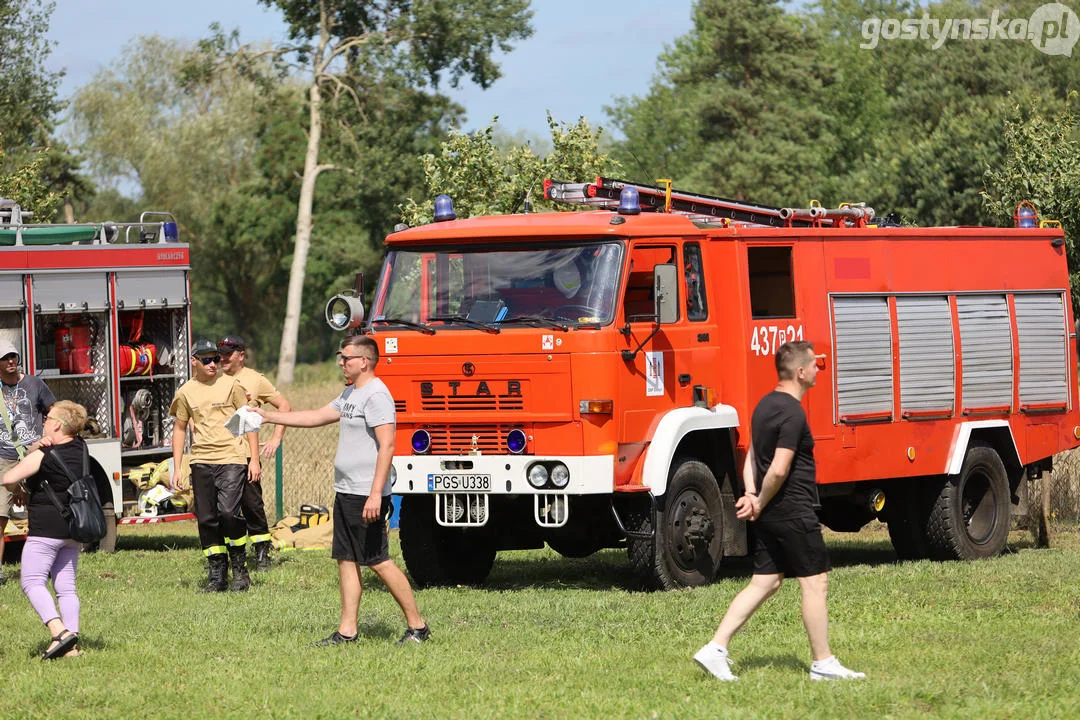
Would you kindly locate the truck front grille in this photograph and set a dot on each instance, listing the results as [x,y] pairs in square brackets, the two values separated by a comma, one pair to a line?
[458,439]
[472,403]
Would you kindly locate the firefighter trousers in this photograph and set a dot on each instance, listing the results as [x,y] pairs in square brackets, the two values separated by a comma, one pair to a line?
[255,513]
[218,490]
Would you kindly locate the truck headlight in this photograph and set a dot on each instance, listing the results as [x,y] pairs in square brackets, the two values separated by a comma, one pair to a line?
[560,475]
[538,475]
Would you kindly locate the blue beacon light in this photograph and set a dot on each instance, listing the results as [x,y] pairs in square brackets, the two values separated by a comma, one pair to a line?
[444,208]
[1025,216]
[629,202]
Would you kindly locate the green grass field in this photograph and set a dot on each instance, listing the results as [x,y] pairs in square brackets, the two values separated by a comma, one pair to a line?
[551,638]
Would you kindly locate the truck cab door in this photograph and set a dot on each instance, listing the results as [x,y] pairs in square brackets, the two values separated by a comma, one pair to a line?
[652,351]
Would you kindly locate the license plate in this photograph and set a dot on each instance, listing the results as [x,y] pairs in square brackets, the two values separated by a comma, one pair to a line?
[442,482]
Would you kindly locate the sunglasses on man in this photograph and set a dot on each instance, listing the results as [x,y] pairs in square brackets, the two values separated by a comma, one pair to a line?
[208,359]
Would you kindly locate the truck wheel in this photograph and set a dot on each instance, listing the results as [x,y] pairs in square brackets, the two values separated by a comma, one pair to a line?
[907,510]
[435,555]
[420,540]
[640,551]
[688,545]
[471,554]
[970,517]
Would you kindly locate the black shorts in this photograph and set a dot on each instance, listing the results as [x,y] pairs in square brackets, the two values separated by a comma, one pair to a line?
[793,548]
[355,540]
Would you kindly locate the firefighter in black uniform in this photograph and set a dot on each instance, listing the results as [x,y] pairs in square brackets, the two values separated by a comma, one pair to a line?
[259,391]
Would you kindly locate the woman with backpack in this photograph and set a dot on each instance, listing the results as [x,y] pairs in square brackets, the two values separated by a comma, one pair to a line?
[49,550]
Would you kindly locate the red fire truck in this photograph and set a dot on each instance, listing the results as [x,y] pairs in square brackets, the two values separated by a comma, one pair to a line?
[101,314]
[586,379]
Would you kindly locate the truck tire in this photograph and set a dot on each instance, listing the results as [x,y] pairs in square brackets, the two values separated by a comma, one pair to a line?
[687,547]
[473,554]
[970,517]
[641,551]
[435,555]
[907,512]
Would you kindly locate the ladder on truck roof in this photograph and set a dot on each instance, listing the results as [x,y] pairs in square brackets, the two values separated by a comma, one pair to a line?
[604,194]
[153,227]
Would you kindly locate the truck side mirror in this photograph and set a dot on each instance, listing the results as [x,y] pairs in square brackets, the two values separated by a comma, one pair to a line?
[666,293]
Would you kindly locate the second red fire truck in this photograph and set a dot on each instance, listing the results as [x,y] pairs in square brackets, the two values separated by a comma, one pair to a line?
[101,313]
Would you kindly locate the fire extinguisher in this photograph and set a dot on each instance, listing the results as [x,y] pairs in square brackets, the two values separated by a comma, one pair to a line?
[63,346]
[73,347]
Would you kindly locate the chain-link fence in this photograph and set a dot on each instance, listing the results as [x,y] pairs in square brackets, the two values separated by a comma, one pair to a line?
[1063,501]
[307,469]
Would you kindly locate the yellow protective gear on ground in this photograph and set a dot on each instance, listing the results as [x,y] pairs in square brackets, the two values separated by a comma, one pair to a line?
[17,527]
[316,536]
[150,474]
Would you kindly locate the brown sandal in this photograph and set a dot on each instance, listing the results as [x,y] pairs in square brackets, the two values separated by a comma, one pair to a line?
[65,641]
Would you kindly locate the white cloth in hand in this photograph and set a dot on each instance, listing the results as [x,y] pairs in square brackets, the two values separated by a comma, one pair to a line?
[244,420]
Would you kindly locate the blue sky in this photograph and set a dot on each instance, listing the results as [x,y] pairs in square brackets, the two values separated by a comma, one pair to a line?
[581,56]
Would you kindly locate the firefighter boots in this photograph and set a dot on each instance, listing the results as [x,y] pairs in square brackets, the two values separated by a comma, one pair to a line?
[262,555]
[238,559]
[218,580]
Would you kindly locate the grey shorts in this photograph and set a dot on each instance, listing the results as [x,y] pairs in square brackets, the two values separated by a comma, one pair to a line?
[355,540]
[5,494]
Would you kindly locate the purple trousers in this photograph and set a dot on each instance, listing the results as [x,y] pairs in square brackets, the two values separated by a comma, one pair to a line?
[44,558]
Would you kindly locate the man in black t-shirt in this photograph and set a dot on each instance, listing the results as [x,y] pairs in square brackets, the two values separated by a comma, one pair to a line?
[781,497]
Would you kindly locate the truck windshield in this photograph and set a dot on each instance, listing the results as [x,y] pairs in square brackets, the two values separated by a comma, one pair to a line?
[449,288]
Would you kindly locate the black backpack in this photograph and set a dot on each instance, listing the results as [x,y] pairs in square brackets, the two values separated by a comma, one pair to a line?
[84,514]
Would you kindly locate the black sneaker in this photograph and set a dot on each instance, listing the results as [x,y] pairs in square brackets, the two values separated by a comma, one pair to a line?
[336,638]
[416,635]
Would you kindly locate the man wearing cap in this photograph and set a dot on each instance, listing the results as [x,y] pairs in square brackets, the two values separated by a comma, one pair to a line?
[220,464]
[259,391]
[26,401]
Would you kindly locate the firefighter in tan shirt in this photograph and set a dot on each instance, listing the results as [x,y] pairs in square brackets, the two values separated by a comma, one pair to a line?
[260,391]
[219,464]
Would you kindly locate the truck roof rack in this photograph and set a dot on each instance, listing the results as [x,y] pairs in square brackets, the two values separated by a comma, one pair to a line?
[152,227]
[604,194]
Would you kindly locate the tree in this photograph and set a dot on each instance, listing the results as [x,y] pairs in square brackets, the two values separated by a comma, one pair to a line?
[482,179]
[28,102]
[25,184]
[28,111]
[189,145]
[221,146]
[783,105]
[737,107]
[141,122]
[1041,166]
[342,42]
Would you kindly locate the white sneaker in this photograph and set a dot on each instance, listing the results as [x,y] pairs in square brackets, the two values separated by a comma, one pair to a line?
[831,669]
[715,661]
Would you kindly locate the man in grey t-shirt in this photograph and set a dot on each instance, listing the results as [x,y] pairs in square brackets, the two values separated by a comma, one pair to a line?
[362,410]
[362,484]
[26,402]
